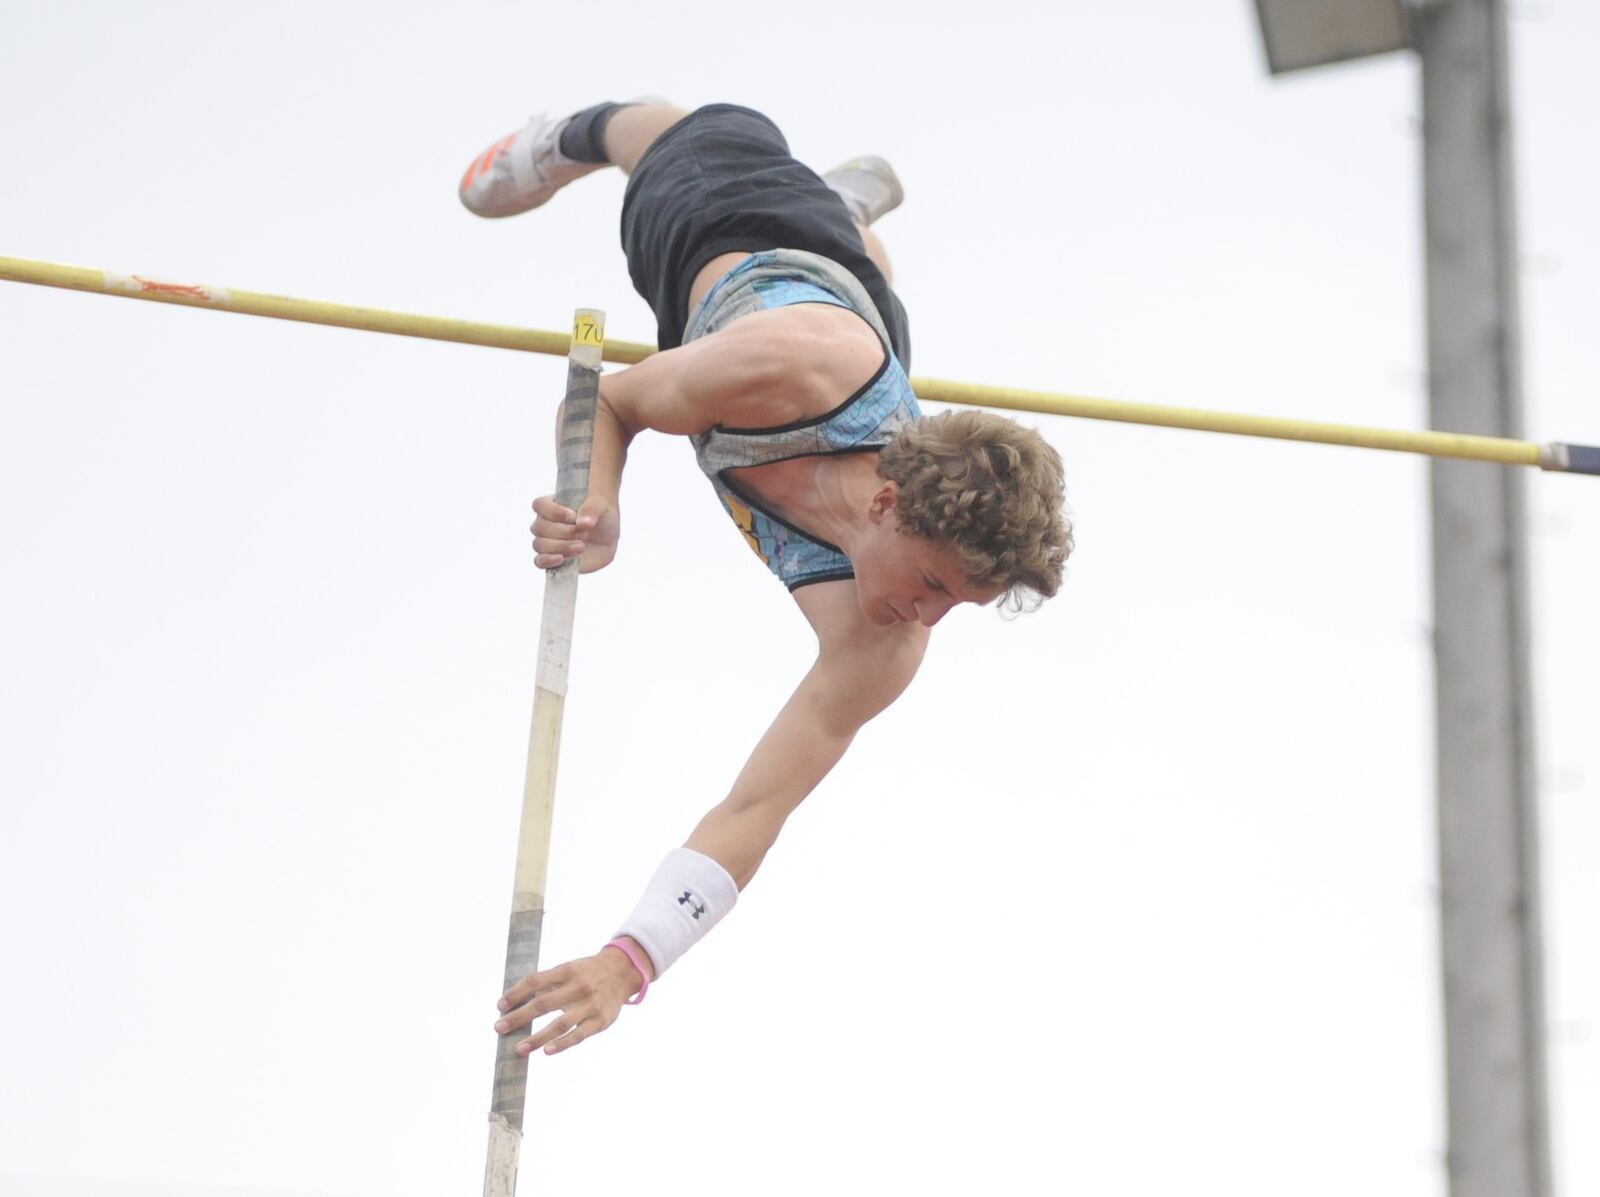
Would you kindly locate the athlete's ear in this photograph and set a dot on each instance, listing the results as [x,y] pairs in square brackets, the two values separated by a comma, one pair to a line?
[883,502]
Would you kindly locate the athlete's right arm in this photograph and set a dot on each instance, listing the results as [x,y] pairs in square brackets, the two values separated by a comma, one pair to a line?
[764,370]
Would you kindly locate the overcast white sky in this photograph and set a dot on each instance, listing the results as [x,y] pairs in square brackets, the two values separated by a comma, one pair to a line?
[1133,895]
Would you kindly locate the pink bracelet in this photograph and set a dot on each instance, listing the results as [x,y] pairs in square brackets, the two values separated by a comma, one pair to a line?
[633,958]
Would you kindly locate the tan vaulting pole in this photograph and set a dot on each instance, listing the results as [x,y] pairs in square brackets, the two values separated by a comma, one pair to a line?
[1568,458]
[544,744]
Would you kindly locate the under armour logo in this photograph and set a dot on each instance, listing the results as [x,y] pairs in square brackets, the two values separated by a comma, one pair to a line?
[695,910]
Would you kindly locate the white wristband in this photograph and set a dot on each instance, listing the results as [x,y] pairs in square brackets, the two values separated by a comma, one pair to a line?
[685,899]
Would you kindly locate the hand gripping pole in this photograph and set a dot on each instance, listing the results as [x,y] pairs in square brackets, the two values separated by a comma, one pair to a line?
[544,743]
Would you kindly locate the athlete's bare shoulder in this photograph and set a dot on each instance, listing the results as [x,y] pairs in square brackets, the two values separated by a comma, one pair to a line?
[763,370]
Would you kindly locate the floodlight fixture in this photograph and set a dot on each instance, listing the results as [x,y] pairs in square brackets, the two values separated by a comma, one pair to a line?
[1308,33]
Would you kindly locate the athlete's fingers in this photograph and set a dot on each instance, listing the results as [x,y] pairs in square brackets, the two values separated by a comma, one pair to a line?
[546,1003]
[550,1032]
[589,513]
[555,560]
[518,1009]
[550,546]
[532,984]
[554,529]
[547,507]
[573,1037]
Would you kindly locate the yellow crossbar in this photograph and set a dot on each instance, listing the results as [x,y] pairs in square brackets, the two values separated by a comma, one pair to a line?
[1555,456]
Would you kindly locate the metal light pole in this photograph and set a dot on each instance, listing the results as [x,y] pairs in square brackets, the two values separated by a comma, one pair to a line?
[1488,818]
[1496,1090]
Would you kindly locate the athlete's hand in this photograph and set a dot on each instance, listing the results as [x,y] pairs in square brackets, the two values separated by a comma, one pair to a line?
[589,994]
[590,533]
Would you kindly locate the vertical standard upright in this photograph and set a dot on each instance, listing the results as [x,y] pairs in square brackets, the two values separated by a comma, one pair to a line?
[1488,825]
[544,743]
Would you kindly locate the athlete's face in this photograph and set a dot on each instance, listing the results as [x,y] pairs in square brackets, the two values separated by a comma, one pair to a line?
[901,578]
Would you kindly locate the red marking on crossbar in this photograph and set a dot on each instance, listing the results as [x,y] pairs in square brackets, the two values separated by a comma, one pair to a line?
[160,288]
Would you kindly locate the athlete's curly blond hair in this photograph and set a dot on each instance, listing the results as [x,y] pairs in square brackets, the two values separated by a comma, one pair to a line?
[993,489]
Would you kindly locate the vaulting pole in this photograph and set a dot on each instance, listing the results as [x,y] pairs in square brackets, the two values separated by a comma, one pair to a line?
[544,744]
[1567,458]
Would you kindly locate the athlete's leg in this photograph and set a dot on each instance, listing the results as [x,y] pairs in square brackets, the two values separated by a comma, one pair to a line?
[870,189]
[875,251]
[710,187]
[524,169]
[633,129]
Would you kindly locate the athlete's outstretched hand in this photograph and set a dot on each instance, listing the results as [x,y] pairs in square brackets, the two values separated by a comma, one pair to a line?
[589,994]
[590,533]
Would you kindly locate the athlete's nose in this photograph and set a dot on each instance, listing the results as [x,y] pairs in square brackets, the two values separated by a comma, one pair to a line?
[931,610]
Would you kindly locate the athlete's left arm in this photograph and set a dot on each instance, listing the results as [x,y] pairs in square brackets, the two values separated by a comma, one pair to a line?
[860,669]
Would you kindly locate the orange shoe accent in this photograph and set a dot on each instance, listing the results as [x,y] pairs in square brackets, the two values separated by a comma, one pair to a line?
[480,164]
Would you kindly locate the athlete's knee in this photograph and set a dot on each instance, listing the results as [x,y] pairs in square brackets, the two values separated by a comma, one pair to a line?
[633,128]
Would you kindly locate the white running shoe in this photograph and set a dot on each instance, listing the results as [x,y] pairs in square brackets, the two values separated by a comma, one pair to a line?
[521,171]
[868,186]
